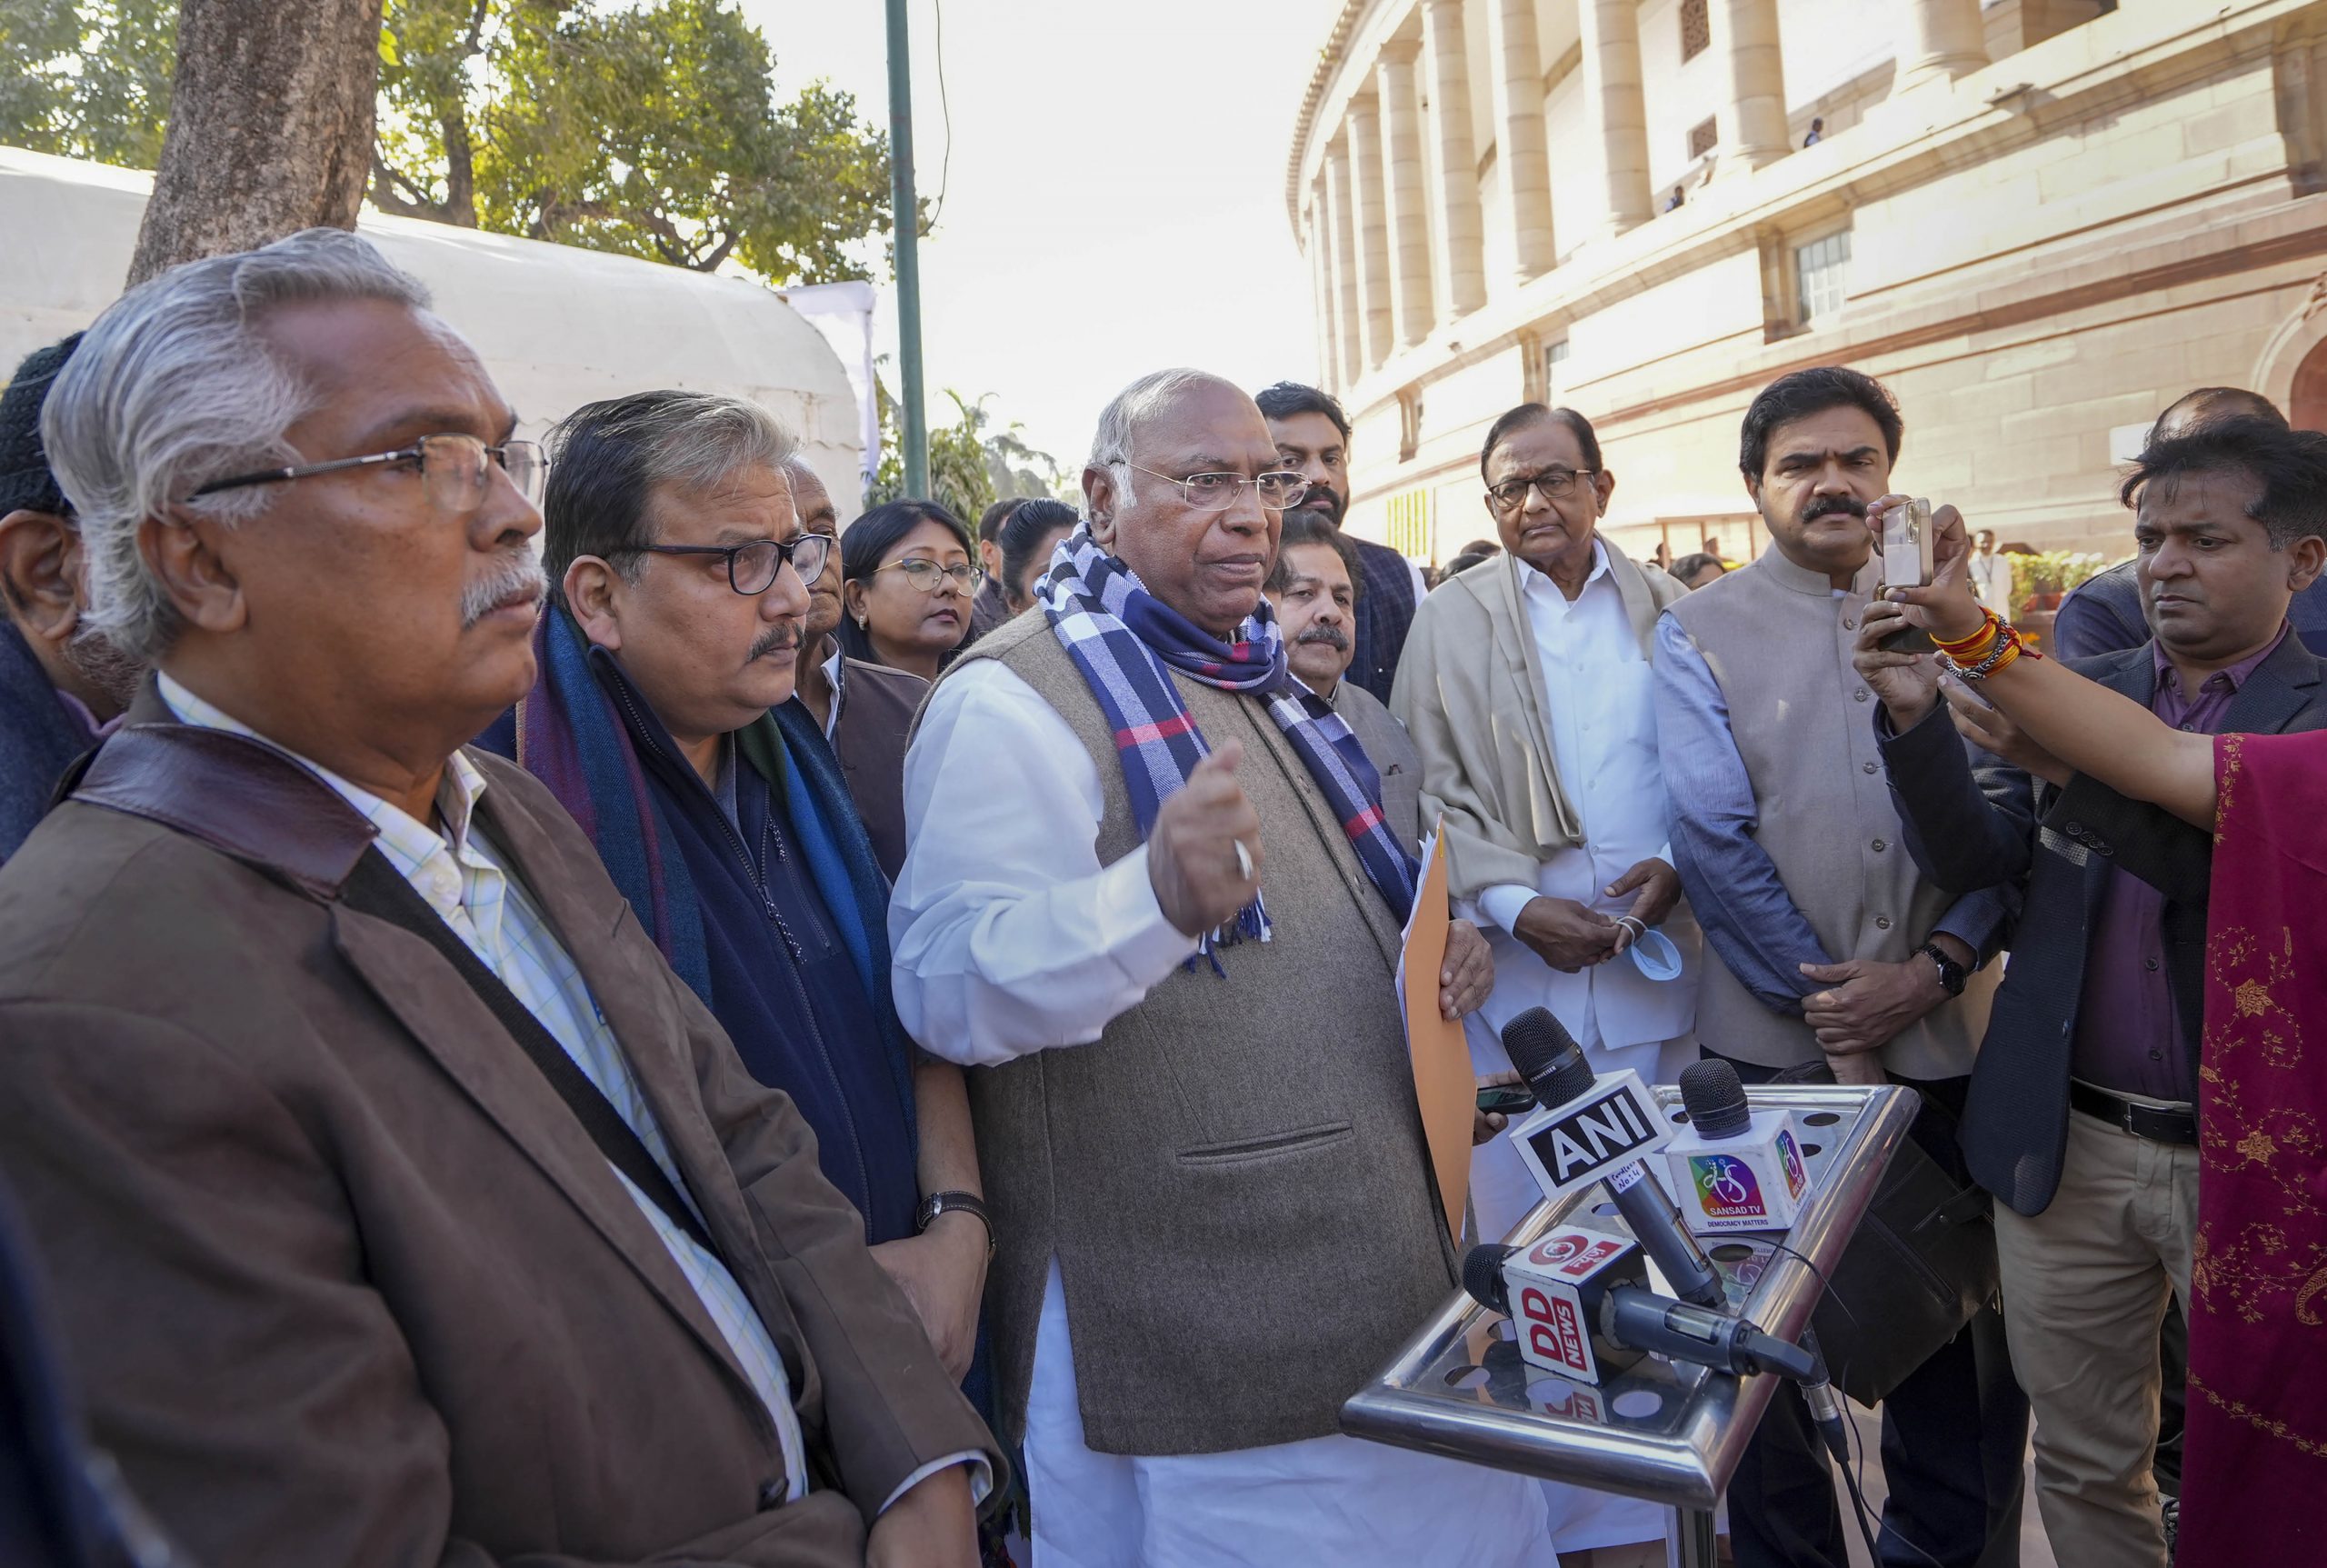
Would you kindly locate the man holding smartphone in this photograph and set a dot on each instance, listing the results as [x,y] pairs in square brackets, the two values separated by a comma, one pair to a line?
[1833,944]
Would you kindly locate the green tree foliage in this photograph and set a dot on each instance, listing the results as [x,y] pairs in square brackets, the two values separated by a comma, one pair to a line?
[647,127]
[88,80]
[970,464]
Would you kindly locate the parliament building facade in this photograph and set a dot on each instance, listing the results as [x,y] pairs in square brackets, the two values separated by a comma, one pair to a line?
[2037,221]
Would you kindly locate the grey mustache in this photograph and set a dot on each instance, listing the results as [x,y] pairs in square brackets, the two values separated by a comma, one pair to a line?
[1333,637]
[515,575]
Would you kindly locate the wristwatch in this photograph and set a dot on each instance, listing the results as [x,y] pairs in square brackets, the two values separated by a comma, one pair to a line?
[938,1203]
[1953,976]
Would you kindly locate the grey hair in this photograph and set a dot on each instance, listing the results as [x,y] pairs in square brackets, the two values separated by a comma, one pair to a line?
[1131,407]
[174,387]
[609,460]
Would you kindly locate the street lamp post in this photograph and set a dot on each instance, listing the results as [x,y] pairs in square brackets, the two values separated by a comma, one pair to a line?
[906,228]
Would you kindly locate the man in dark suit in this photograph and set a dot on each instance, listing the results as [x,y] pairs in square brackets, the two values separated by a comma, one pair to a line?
[401,1205]
[2081,1118]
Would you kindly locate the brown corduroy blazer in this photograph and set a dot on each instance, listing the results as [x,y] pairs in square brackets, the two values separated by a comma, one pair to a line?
[344,1282]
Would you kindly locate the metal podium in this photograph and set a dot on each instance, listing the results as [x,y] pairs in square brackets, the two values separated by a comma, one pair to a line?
[1665,1431]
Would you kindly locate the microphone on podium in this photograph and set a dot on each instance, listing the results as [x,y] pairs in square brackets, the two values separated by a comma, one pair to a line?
[1733,1168]
[1608,1317]
[1596,1128]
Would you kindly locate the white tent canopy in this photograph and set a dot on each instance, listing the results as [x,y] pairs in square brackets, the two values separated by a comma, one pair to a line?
[557,326]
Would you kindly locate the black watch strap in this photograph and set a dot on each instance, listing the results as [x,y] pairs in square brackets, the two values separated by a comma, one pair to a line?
[938,1203]
[1953,976]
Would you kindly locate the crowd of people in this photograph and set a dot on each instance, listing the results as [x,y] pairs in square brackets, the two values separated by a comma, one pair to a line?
[557,1006]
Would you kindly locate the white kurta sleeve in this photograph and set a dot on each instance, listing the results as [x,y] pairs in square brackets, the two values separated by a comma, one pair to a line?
[1008,936]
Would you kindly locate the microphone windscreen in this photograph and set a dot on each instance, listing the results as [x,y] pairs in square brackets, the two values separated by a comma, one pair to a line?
[1547,1056]
[1715,1099]
[1482,1276]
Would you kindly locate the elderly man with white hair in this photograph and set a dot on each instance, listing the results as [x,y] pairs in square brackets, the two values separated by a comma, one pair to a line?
[1149,898]
[403,1205]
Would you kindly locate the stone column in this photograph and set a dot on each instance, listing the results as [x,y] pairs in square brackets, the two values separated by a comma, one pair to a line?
[1523,157]
[1462,282]
[1409,228]
[1753,122]
[1611,87]
[1341,251]
[1943,40]
[1373,225]
[1321,288]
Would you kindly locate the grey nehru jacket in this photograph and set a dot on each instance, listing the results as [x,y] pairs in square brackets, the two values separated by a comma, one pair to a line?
[1233,1177]
[1779,641]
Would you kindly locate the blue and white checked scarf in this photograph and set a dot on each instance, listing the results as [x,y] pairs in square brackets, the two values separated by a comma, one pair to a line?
[1123,638]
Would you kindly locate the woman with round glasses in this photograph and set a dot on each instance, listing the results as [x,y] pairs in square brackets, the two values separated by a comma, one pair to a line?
[908,575]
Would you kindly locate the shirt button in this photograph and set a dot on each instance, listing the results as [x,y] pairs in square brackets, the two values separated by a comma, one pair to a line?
[1879,846]
[2150,964]
[1859,696]
[1866,767]
[1882,923]
[2189,729]
[2157,1055]
[1849,624]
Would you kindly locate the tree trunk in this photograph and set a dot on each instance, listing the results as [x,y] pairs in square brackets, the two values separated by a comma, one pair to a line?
[270,126]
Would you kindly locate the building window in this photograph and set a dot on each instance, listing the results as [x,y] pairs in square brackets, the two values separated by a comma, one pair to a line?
[1411,533]
[1697,29]
[1702,136]
[1409,423]
[1820,271]
[1554,355]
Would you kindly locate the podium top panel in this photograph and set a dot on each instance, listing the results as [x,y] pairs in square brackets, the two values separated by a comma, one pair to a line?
[1665,1431]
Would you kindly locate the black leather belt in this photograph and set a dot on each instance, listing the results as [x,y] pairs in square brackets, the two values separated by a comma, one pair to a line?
[2157,1123]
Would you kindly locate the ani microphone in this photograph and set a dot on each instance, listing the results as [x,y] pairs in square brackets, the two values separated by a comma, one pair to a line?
[1597,1128]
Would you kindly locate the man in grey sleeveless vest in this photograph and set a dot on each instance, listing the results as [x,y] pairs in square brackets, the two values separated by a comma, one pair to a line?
[1149,899]
[1832,943]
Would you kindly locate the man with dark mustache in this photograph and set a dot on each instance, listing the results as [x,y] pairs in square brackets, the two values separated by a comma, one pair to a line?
[1316,589]
[1833,944]
[666,664]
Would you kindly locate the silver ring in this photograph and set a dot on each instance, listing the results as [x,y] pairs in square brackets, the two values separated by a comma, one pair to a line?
[1640,927]
[1243,859]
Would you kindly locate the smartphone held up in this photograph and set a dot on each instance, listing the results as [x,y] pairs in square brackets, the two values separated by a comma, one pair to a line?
[1907,539]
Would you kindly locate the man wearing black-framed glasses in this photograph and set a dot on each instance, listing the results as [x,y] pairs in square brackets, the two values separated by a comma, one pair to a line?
[669,658]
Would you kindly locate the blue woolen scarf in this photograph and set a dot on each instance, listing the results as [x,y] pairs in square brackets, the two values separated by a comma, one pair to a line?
[1125,641]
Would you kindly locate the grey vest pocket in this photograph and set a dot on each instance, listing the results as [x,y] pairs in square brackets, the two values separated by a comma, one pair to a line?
[1297,1141]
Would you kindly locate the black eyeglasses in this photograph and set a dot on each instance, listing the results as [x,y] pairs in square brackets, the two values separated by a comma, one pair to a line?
[752,568]
[1554,483]
[454,470]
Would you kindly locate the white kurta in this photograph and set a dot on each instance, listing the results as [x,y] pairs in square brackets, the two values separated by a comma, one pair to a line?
[1009,937]
[1599,708]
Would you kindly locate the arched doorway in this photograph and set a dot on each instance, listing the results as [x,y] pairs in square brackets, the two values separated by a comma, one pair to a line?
[2307,400]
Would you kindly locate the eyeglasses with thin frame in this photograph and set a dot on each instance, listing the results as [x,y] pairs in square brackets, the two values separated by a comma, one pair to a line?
[1278,488]
[752,568]
[454,470]
[927,576]
[1555,483]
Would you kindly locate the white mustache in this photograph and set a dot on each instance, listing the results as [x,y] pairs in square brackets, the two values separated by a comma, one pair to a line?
[517,574]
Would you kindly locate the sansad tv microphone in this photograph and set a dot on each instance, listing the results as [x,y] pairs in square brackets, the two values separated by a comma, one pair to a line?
[1733,1168]
[1593,1128]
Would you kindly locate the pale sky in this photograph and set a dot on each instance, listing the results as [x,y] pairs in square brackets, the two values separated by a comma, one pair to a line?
[1116,197]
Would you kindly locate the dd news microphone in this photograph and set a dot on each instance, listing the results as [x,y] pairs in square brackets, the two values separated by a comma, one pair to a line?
[1734,1168]
[1590,1128]
[1606,1313]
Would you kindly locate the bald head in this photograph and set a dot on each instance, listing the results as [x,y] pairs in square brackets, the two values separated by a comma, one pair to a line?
[1207,564]
[2209,403]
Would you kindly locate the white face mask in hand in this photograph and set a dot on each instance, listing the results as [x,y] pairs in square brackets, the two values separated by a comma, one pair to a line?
[1654,955]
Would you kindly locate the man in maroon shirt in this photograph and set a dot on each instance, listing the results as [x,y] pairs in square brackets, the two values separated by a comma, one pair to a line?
[2081,1117]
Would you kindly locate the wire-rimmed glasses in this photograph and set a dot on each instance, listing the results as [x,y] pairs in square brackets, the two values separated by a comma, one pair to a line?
[454,470]
[1217,492]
